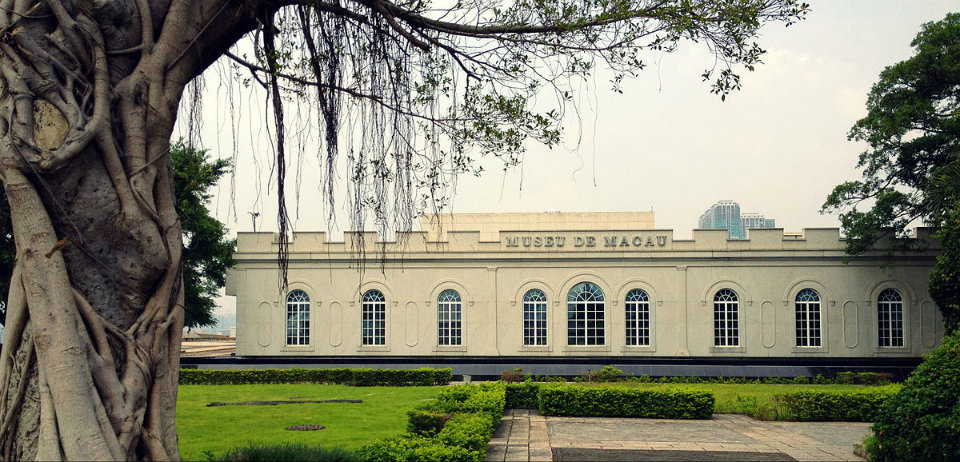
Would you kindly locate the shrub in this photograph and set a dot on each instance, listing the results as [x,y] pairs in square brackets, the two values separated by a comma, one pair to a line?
[470,431]
[456,427]
[572,400]
[512,376]
[413,448]
[922,422]
[523,396]
[607,374]
[833,405]
[358,377]
[287,452]
[426,422]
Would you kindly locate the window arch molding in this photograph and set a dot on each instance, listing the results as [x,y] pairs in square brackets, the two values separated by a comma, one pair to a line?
[584,276]
[790,294]
[374,285]
[743,295]
[530,284]
[645,286]
[907,292]
[465,298]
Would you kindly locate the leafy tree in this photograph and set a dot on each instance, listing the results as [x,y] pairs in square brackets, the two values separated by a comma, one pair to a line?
[91,90]
[911,169]
[206,252]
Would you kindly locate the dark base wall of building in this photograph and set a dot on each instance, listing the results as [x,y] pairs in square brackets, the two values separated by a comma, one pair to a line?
[489,368]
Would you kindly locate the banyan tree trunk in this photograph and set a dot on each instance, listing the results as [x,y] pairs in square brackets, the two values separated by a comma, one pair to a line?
[89,91]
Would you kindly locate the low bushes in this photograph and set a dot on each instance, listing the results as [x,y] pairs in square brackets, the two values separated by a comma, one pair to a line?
[357,377]
[572,400]
[864,378]
[922,422]
[292,452]
[456,427]
[841,406]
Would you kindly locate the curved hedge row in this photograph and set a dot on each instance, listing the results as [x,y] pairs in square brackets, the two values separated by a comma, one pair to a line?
[358,377]
[454,428]
[580,401]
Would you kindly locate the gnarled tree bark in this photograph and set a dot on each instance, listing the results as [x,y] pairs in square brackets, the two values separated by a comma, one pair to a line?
[88,100]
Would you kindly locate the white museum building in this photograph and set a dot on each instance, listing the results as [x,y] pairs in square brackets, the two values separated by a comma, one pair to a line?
[573,285]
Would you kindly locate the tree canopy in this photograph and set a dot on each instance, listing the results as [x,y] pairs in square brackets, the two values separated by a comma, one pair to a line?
[911,168]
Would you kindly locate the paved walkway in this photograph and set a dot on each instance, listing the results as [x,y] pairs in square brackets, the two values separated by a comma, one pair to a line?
[527,436]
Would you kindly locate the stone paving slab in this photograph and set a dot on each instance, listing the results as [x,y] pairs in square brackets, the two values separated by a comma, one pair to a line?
[527,436]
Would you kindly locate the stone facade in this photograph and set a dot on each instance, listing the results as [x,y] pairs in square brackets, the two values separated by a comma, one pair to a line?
[493,265]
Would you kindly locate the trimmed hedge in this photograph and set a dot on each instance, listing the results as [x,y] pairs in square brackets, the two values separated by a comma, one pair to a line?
[579,401]
[454,428]
[358,377]
[833,406]
[524,395]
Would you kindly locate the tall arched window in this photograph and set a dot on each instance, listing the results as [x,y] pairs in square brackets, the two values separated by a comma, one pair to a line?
[637,308]
[449,327]
[298,318]
[807,306]
[726,322]
[585,315]
[373,314]
[534,318]
[890,318]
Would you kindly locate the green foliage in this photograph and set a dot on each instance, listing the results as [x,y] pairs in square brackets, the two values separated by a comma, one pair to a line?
[944,284]
[618,401]
[607,374]
[864,378]
[922,422]
[913,133]
[207,253]
[911,169]
[470,431]
[357,377]
[841,406]
[474,413]
[426,422]
[524,395]
[413,448]
[291,452]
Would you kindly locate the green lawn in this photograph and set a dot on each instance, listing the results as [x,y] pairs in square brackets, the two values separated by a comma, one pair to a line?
[750,399]
[218,429]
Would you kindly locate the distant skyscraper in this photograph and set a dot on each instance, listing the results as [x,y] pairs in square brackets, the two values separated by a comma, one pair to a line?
[726,215]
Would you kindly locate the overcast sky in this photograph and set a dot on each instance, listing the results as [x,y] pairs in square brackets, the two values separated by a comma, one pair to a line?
[778,146]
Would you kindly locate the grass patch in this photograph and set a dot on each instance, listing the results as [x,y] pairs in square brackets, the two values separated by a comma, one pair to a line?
[217,430]
[752,399]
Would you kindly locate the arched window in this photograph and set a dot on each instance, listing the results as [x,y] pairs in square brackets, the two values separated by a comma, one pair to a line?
[373,314]
[449,327]
[890,318]
[807,310]
[585,315]
[534,318]
[726,322]
[298,318]
[637,308]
